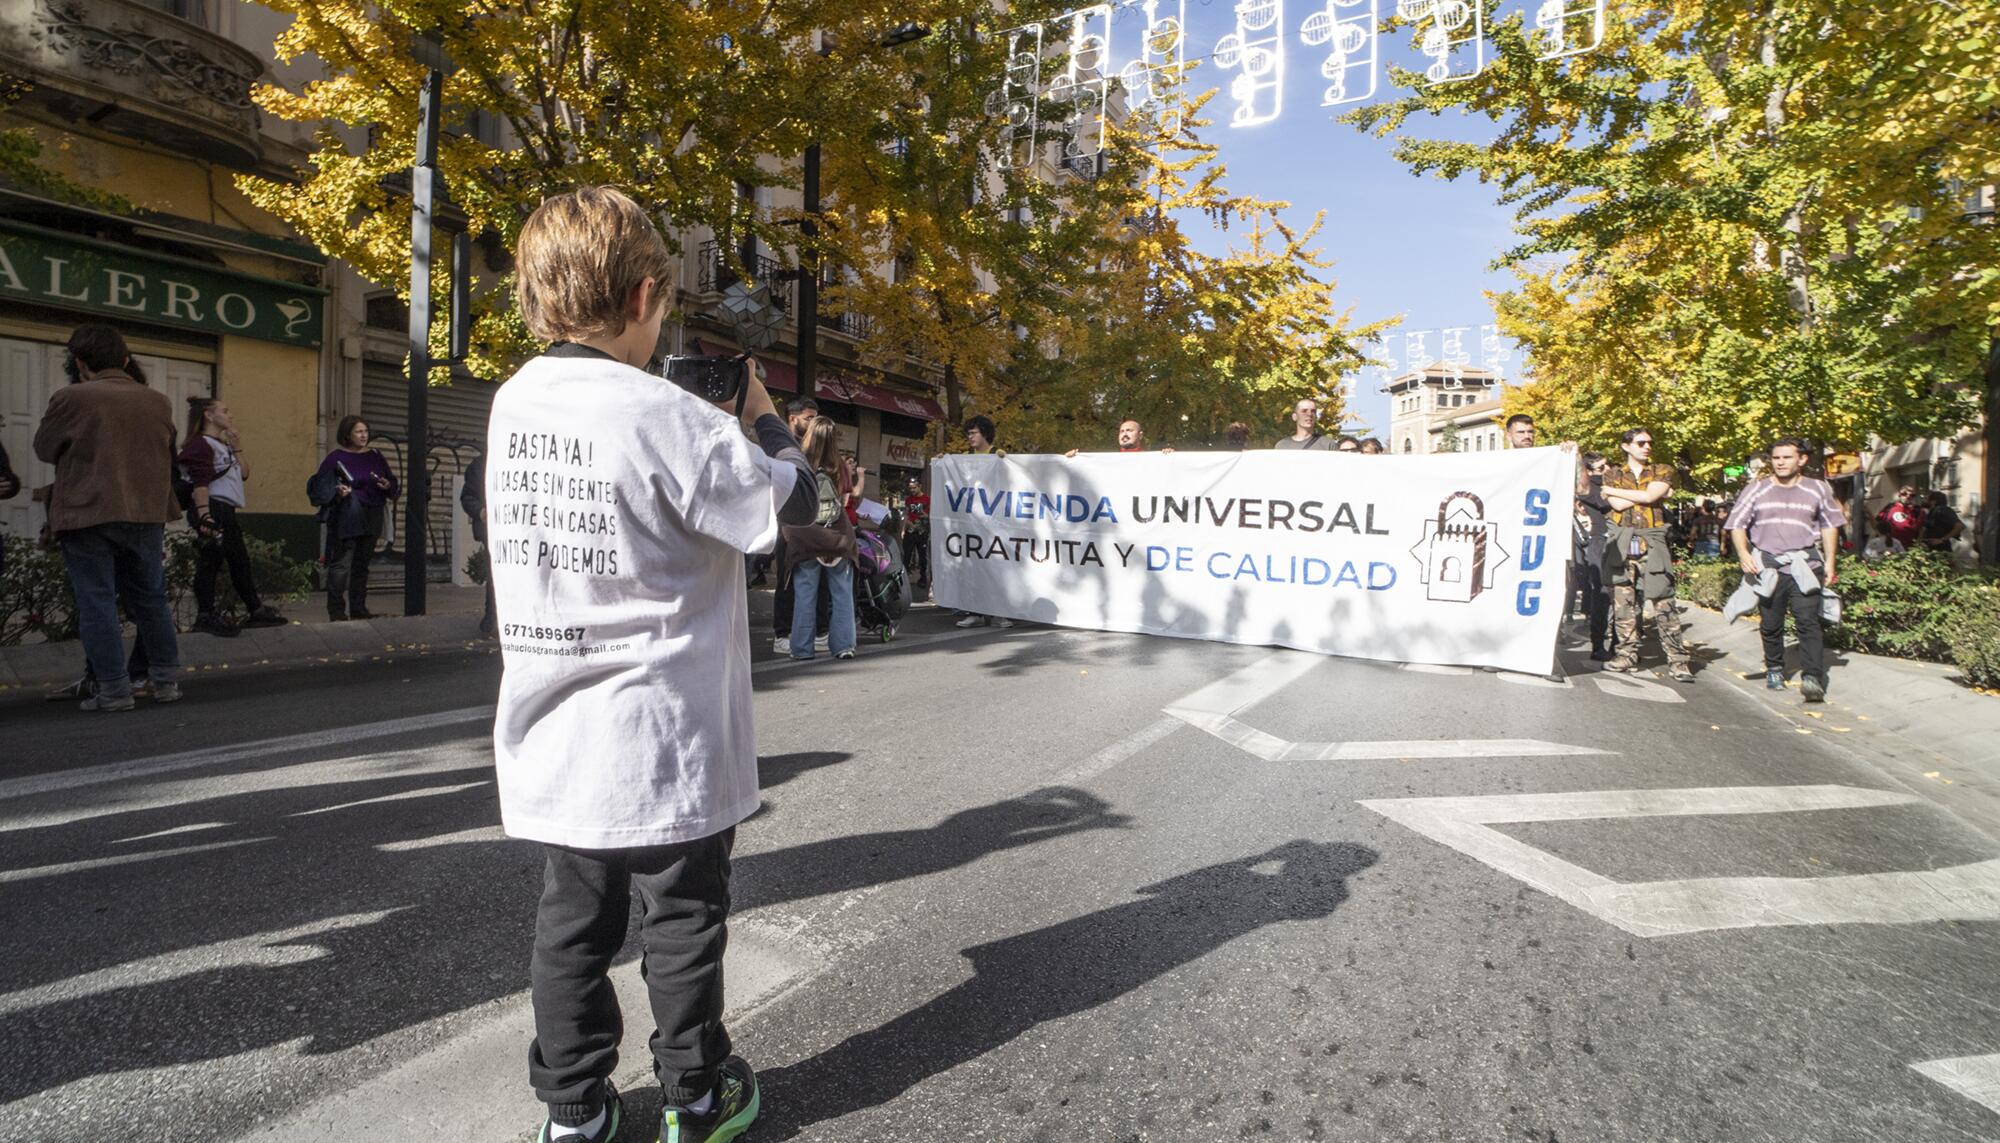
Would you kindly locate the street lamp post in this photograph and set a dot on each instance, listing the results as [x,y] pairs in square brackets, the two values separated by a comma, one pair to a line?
[808,315]
[424,185]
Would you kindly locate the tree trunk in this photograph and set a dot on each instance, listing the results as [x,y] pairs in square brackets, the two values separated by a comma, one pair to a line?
[1987,522]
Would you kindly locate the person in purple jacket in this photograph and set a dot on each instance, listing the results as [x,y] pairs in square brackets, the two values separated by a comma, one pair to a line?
[363,487]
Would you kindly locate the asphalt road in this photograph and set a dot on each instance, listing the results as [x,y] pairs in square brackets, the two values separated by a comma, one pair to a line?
[1030,884]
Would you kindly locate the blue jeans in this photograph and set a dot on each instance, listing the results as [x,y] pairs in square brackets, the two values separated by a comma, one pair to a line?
[805,594]
[112,562]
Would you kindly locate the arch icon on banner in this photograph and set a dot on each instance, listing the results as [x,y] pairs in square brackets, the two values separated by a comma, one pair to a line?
[1257,49]
[1347,30]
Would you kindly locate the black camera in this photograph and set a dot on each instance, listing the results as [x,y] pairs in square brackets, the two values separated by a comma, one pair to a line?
[716,380]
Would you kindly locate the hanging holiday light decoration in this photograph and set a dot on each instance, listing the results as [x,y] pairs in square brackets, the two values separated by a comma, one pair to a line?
[1151,78]
[1079,88]
[1568,28]
[1257,49]
[1453,357]
[1020,96]
[1493,352]
[1346,28]
[1445,29]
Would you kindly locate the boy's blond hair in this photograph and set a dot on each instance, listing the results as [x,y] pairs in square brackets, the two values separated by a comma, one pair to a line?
[581,255]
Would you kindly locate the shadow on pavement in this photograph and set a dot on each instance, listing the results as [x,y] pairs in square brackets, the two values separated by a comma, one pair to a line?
[1027,980]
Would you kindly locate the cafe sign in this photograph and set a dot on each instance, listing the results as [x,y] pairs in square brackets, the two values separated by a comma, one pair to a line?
[57,269]
[903,452]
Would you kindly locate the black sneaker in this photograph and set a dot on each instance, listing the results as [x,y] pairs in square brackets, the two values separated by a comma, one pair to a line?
[736,1103]
[209,623]
[265,616]
[1812,687]
[604,1134]
[360,613]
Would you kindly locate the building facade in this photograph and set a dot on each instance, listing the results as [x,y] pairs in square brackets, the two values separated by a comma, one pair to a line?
[1442,408]
[146,108]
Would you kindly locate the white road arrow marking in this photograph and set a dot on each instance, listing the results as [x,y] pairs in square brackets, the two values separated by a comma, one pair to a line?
[1626,686]
[1666,908]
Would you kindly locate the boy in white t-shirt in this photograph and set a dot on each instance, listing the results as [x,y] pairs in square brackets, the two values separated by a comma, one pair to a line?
[619,509]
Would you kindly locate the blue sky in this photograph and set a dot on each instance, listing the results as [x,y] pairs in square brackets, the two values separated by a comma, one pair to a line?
[1401,245]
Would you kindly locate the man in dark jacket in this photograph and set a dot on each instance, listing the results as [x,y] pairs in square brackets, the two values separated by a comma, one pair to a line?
[111,440]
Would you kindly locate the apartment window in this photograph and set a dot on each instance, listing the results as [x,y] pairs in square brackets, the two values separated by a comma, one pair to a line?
[193,11]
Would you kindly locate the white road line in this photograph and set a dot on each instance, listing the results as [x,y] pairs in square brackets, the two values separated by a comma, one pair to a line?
[1665,908]
[1271,748]
[36,871]
[1252,684]
[1521,680]
[1977,1078]
[1115,753]
[459,837]
[35,784]
[1626,686]
[264,950]
[196,828]
[406,795]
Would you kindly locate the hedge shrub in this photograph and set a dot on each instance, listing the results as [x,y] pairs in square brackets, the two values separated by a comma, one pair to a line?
[1915,605]
[35,599]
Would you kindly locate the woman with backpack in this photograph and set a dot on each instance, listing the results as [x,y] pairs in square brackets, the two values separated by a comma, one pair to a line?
[825,546]
[212,465]
[354,486]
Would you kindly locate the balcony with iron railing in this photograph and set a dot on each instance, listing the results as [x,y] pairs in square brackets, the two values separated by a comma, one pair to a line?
[716,273]
[143,70]
[856,326]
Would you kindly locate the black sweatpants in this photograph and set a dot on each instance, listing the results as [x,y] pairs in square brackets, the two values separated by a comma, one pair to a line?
[347,574]
[579,929]
[230,551]
[1805,610]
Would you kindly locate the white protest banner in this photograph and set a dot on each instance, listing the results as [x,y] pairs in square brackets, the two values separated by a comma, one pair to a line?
[1454,559]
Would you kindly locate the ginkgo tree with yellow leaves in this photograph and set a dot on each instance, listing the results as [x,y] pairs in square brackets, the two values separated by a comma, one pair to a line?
[678,104]
[1742,219]
[1050,302]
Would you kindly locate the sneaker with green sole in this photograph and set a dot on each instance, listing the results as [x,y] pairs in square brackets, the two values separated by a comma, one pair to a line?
[735,1109]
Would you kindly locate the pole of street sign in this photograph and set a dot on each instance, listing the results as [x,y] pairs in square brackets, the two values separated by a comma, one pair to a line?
[416,484]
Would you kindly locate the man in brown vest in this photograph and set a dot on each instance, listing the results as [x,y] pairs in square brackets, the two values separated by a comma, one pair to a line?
[111,440]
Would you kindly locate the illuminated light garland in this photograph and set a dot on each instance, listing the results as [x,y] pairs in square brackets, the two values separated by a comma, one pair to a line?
[1347,29]
[1443,28]
[1257,48]
[1150,78]
[1556,22]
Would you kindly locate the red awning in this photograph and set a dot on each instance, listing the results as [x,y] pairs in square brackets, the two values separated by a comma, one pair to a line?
[876,397]
[779,376]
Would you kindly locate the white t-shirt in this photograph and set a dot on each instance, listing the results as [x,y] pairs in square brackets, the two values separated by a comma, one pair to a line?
[618,510]
[228,483]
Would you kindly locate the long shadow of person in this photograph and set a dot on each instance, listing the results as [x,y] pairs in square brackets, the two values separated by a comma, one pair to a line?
[859,861]
[1027,980]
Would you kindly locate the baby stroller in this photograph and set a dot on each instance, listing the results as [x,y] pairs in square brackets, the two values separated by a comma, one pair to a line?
[881,583]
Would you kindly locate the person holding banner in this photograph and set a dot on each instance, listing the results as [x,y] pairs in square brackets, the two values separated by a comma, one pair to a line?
[1132,438]
[1638,565]
[980,438]
[1306,437]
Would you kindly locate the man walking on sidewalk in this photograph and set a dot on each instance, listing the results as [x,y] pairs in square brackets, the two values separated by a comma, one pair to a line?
[1786,528]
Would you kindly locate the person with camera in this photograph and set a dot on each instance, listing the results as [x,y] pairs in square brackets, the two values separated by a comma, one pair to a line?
[619,509]
[111,440]
[824,548]
[353,486]
[214,467]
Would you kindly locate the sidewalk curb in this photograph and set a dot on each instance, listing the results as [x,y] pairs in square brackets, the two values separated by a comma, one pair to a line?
[41,665]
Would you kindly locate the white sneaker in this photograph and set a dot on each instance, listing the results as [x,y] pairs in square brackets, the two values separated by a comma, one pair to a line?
[974,621]
[820,642]
[1003,622]
[782,644]
[847,654]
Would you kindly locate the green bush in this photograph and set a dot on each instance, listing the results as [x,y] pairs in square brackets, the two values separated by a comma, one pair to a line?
[1906,605]
[1975,639]
[1707,581]
[35,599]
[1915,605]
